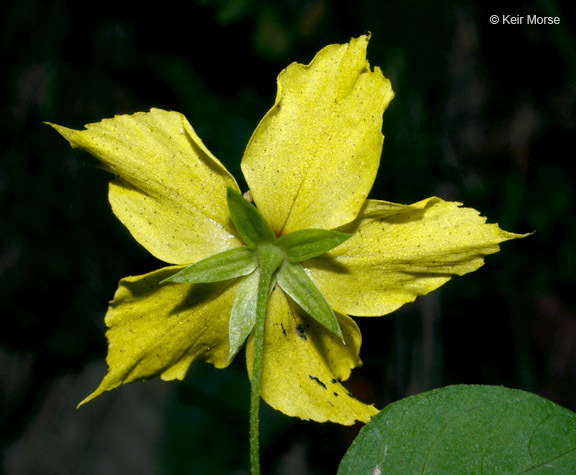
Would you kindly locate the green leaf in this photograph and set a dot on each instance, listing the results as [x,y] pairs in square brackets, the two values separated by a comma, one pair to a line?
[251,225]
[222,266]
[296,283]
[466,429]
[243,315]
[308,243]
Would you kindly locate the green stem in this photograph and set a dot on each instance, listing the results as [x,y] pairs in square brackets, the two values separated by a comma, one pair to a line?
[269,258]
[263,291]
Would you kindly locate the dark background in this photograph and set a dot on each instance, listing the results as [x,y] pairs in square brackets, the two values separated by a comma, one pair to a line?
[483,114]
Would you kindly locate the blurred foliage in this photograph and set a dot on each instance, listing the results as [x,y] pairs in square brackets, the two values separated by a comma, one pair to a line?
[483,114]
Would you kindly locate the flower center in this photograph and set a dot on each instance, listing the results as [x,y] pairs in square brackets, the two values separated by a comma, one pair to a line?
[264,261]
[270,257]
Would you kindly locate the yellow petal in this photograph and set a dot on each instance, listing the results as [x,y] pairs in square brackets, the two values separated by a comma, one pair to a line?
[303,364]
[399,252]
[313,159]
[160,329]
[170,191]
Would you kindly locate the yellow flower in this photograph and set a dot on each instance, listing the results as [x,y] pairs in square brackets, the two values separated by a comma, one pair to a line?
[310,164]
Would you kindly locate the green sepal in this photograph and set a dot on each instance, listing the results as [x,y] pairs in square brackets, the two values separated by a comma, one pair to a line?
[309,243]
[250,224]
[222,266]
[295,282]
[243,315]
[245,308]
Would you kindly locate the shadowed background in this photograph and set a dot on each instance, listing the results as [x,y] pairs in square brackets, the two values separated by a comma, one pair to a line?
[483,114]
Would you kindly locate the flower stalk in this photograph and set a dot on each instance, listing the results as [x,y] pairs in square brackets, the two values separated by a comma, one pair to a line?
[270,257]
